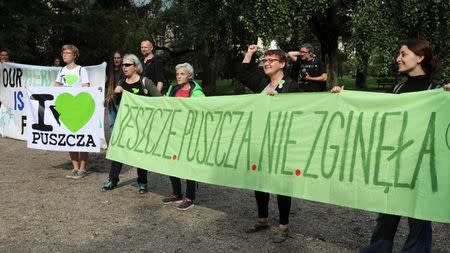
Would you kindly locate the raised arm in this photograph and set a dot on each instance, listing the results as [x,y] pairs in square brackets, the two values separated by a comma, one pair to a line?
[251,79]
[293,55]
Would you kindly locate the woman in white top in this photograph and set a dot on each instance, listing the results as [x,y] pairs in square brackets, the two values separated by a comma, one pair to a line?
[73,75]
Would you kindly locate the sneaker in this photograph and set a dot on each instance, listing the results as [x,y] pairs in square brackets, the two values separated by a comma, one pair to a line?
[259,226]
[73,173]
[281,235]
[171,199]
[80,174]
[185,204]
[142,188]
[109,185]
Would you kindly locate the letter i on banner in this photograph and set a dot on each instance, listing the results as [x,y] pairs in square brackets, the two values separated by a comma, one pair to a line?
[63,119]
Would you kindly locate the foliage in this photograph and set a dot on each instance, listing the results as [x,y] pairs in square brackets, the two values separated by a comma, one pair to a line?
[213,34]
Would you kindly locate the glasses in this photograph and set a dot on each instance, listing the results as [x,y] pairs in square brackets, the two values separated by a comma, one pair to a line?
[127,64]
[270,60]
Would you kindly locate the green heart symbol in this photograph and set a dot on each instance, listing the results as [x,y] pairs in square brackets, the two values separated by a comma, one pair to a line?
[135,90]
[75,111]
[71,79]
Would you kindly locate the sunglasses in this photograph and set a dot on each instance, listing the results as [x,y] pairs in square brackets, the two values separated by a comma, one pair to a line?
[127,64]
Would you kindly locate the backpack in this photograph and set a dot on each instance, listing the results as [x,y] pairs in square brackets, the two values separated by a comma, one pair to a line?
[146,85]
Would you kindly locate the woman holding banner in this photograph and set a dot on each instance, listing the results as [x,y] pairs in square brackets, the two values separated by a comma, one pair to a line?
[185,87]
[271,81]
[73,75]
[415,59]
[138,85]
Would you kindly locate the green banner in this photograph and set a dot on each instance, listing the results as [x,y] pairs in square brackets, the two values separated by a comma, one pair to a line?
[377,152]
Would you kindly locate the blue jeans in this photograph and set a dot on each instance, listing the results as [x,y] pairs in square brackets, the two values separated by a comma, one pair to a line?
[112,114]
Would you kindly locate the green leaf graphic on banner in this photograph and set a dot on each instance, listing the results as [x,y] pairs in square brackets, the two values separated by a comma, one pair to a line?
[75,111]
[71,79]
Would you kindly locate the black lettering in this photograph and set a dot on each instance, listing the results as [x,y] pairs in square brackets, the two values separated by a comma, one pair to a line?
[41,98]
[90,141]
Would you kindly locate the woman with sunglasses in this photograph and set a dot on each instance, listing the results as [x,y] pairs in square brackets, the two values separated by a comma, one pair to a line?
[415,59]
[138,85]
[73,75]
[271,81]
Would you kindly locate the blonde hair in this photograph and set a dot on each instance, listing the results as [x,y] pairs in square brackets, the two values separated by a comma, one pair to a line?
[72,48]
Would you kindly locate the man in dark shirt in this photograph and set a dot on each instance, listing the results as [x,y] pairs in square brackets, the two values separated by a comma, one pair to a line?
[309,71]
[153,65]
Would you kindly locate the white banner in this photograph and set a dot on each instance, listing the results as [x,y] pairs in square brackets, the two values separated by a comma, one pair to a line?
[63,119]
[15,78]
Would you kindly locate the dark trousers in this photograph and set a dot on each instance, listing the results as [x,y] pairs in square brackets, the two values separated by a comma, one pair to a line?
[284,206]
[418,241]
[116,167]
[176,188]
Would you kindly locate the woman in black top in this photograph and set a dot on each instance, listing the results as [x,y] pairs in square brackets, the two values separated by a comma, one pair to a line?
[271,81]
[134,83]
[114,75]
[415,59]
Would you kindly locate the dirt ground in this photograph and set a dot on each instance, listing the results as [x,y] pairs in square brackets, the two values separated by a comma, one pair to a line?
[42,211]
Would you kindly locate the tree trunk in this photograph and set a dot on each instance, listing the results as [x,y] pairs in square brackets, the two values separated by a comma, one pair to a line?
[327,31]
[209,66]
[361,73]
[330,50]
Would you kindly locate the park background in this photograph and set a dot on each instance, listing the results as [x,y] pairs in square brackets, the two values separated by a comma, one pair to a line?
[44,212]
[357,39]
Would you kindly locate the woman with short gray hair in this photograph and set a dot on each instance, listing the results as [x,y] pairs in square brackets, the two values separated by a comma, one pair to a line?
[188,67]
[185,87]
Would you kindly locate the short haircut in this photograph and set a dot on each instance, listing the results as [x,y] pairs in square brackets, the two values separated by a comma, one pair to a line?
[188,67]
[72,48]
[135,60]
[308,46]
[279,53]
[152,44]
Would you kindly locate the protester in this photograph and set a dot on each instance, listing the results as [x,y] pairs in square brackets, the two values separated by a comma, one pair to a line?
[272,81]
[415,59]
[4,55]
[153,66]
[185,87]
[138,85]
[309,71]
[73,75]
[56,62]
[114,75]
